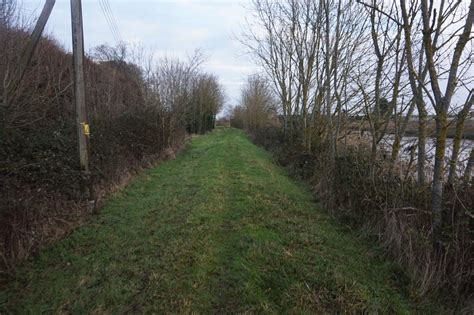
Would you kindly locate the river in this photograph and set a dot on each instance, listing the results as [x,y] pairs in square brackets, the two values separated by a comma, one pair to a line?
[411,142]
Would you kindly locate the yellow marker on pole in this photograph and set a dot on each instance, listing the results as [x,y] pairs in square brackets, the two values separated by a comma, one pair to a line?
[86,128]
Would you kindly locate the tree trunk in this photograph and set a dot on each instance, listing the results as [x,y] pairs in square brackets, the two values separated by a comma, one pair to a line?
[331,140]
[461,119]
[469,167]
[421,162]
[437,189]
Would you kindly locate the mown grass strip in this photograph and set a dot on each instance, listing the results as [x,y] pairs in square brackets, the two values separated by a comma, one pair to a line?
[220,229]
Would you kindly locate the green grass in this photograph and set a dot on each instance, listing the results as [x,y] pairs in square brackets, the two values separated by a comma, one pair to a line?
[219,229]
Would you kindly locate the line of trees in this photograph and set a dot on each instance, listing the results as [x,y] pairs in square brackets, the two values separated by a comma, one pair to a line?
[258,105]
[140,111]
[348,76]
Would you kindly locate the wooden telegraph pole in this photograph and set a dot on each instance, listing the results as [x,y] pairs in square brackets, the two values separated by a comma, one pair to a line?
[27,53]
[83,131]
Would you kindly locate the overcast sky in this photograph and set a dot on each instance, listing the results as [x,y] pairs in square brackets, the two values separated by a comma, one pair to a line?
[165,27]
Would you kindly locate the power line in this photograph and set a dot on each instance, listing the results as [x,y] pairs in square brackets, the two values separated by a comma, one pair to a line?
[111,17]
[109,24]
[114,21]
[110,20]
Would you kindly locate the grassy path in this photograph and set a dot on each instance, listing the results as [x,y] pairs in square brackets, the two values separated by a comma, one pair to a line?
[220,229]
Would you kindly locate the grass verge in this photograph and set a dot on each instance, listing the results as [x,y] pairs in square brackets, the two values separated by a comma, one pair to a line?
[219,229]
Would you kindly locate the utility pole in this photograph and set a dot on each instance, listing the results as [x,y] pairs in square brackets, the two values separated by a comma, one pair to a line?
[27,53]
[82,123]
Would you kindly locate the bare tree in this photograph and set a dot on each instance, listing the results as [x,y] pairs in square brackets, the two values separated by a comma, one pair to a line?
[7,12]
[207,99]
[258,103]
[460,121]
[389,58]
[274,51]
[442,100]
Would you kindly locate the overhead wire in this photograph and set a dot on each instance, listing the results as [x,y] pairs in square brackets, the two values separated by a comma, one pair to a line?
[110,21]
[114,21]
[107,19]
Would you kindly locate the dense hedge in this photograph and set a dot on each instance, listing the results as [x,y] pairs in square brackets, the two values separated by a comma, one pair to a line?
[131,125]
